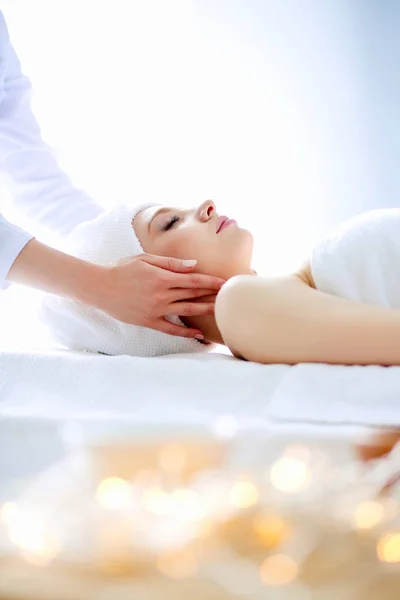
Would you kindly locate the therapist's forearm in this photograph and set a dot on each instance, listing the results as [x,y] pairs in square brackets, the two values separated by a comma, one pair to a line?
[41,267]
[40,189]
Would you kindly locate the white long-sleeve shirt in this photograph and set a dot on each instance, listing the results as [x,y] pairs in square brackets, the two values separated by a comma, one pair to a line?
[38,185]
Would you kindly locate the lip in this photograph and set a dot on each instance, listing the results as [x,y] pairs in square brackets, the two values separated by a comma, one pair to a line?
[224,222]
[221,221]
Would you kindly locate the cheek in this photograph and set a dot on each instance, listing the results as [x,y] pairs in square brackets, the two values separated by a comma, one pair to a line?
[177,246]
[183,246]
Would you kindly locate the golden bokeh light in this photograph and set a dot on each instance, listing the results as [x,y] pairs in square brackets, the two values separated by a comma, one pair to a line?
[270,529]
[41,557]
[298,451]
[114,493]
[278,570]
[145,478]
[368,514]
[244,494]
[183,503]
[204,528]
[157,502]
[38,546]
[388,547]
[172,458]
[186,503]
[179,564]
[290,475]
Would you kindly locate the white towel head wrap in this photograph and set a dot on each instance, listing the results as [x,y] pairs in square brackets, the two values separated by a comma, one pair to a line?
[104,241]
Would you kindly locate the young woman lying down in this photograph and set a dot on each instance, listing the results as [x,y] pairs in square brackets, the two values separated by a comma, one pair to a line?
[341,306]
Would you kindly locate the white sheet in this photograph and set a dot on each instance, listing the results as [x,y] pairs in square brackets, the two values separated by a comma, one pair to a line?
[78,385]
[337,394]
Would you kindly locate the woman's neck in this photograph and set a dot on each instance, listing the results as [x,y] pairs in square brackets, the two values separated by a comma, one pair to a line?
[207,323]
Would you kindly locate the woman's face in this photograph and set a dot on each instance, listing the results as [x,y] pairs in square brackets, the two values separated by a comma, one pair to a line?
[196,234]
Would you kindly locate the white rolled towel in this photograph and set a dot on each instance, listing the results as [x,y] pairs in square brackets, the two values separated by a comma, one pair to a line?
[104,241]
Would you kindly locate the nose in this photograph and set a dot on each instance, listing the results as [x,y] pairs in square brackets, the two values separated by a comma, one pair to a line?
[206,210]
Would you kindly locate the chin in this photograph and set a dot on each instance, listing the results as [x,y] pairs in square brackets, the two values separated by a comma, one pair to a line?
[248,234]
[245,243]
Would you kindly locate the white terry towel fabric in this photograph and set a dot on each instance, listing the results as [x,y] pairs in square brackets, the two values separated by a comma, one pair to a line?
[105,241]
[174,389]
[337,394]
[360,260]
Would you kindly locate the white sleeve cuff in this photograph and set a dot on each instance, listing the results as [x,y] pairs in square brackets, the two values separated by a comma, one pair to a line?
[12,241]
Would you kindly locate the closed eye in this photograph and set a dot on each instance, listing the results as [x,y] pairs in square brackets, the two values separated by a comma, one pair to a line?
[171,222]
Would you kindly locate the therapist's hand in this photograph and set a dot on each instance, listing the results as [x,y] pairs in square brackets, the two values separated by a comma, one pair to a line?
[141,290]
[146,288]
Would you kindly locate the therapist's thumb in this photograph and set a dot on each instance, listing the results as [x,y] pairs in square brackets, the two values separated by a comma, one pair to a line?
[171,264]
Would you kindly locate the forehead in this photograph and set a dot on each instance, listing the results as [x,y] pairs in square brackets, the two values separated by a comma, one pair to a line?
[147,213]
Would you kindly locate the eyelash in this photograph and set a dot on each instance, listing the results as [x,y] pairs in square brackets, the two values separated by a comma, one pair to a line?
[170,223]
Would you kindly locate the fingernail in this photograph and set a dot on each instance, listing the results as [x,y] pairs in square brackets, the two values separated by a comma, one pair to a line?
[189,263]
[198,336]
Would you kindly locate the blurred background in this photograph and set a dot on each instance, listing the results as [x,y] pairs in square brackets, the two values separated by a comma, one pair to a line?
[284,112]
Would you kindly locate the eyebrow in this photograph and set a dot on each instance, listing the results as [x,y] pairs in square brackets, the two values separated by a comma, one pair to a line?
[158,212]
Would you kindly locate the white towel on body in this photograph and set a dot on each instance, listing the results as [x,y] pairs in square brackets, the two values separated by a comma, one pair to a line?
[360,260]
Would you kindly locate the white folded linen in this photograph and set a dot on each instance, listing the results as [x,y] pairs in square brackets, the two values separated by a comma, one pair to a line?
[79,385]
[337,394]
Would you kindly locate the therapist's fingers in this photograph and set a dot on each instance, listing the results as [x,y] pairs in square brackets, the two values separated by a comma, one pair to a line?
[191,309]
[194,280]
[176,294]
[142,291]
[178,273]
[177,330]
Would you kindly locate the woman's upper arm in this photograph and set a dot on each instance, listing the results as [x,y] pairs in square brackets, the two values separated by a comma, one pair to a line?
[243,311]
[284,320]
